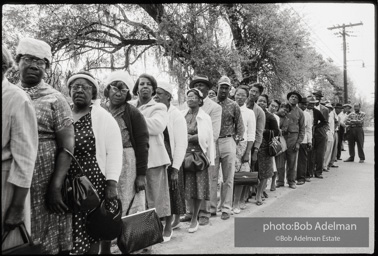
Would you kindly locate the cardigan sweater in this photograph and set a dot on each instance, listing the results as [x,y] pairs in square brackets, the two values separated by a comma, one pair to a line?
[109,147]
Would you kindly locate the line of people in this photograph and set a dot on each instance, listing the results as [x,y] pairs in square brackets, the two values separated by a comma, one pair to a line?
[134,143]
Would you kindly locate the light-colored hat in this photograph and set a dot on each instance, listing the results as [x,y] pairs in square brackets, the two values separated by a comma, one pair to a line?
[120,75]
[34,47]
[224,80]
[311,99]
[347,105]
[329,105]
[165,86]
[84,76]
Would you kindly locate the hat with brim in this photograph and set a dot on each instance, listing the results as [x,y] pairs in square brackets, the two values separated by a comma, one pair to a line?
[165,86]
[224,80]
[329,105]
[339,105]
[347,105]
[318,93]
[304,100]
[35,47]
[296,93]
[198,79]
[311,99]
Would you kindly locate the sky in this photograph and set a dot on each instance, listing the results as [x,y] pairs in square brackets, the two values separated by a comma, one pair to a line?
[318,17]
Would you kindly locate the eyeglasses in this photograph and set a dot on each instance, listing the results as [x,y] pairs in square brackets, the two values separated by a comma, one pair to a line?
[85,87]
[116,90]
[40,63]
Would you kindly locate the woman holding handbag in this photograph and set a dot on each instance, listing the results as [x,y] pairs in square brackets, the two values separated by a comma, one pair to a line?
[98,149]
[243,149]
[265,160]
[273,108]
[134,134]
[200,141]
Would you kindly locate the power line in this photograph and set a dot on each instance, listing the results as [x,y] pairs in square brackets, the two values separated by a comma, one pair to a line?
[302,19]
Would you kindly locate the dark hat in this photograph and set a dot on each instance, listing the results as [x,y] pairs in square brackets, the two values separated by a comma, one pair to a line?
[296,93]
[202,79]
[318,93]
[339,105]
[103,224]
[304,100]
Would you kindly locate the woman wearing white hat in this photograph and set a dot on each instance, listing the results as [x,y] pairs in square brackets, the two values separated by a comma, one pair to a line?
[51,225]
[135,135]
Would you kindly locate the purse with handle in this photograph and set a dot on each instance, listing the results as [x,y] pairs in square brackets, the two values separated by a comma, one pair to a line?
[275,146]
[246,178]
[78,193]
[139,230]
[27,248]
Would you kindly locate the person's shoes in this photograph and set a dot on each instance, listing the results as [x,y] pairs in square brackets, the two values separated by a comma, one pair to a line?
[176,226]
[236,210]
[300,183]
[279,185]
[186,218]
[334,166]
[213,214]
[258,203]
[307,179]
[362,161]
[293,186]
[243,206]
[225,216]
[339,159]
[203,220]
[349,160]
[319,176]
[265,194]
[273,189]
[192,230]
[167,238]
[325,170]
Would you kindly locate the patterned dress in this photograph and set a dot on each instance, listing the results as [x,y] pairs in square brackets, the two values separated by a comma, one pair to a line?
[196,183]
[53,231]
[85,153]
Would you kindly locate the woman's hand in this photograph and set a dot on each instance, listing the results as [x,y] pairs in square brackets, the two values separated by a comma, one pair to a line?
[14,217]
[111,190]
[140,183]
[245,157]
[173,179]
[54,200]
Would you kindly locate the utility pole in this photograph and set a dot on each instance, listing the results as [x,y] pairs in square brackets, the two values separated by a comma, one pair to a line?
[344,34]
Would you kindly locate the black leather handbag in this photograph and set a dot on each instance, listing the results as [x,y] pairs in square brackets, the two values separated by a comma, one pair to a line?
[104,224]
[28,248]
[140,230]
[246,178]
[78,192]
[275,146]
[195,161]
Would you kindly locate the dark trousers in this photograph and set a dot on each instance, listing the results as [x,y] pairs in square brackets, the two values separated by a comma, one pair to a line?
[340,142]
[320,143]
[356,135]
[302,162]
[291,159]
[310,163]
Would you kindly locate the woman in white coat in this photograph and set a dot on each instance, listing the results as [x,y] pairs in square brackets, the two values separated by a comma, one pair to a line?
[200,138]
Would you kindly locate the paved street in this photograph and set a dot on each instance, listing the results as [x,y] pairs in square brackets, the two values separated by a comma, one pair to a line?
[347,191]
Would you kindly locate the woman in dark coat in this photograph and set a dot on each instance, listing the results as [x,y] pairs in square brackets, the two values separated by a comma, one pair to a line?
[265,160]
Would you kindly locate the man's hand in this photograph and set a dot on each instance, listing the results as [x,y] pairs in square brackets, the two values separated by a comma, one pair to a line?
[309,146]
[245,157]
[296,147]
[140,183]
[254,157]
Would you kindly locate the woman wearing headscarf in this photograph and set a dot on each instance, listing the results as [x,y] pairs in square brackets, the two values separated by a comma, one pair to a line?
[134,134]
[200,138]
[51,225]
[265,160]
[19,147]
[156,116]
[98,149]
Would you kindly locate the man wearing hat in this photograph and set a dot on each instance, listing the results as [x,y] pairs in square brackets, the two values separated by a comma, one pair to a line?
[294,137]
[320,104]
[232,131]
[305,145]
[355,122]
[320,126]
[332,121]
[177,134]
[211,108]
[346,110]
[340,114]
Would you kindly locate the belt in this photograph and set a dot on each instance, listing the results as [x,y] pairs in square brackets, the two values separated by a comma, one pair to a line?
[353,126]
[226,136]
